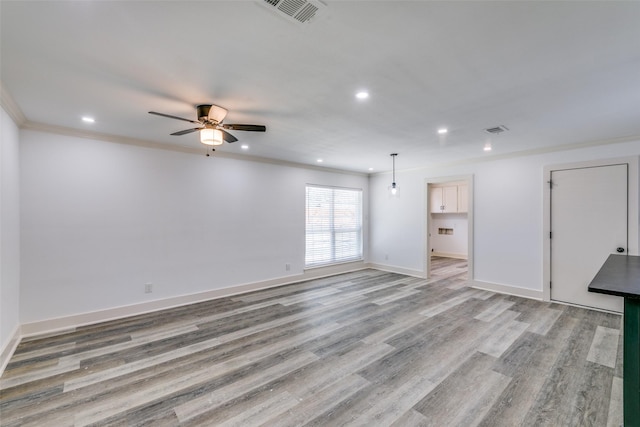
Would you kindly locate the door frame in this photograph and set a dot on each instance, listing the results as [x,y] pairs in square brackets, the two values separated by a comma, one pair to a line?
[632,209]
[468,179]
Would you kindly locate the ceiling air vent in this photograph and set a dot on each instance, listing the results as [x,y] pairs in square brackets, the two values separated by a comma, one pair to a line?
[298,11]
[497,129]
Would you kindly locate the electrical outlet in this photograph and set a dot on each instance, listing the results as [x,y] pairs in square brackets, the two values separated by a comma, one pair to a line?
[287,266]
[148,288]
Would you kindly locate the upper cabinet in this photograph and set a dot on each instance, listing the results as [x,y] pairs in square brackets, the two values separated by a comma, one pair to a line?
[444,199]
[449,199]
[463,198]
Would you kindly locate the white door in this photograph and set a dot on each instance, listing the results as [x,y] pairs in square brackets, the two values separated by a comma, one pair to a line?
[588,222]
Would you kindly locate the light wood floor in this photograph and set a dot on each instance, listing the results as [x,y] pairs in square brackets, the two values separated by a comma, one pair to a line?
[364,348]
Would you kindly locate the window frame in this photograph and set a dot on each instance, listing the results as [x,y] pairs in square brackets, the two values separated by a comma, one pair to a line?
[334,230]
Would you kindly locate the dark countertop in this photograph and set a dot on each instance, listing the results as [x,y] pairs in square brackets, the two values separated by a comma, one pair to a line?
[619,275]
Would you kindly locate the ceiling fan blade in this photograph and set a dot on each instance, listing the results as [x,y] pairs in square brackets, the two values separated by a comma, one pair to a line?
[173,117]
[252,128]
[228,137]
[186,131]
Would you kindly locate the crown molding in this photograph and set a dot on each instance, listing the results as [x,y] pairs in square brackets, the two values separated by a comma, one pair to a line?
[11,107]
[522,153]
[60,130]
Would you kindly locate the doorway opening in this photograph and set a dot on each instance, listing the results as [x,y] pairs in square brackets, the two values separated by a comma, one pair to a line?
[449,225]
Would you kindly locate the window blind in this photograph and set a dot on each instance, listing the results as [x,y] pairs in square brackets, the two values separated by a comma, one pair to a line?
[333,225]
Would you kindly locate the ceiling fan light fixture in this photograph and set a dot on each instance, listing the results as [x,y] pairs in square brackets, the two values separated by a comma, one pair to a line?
[211,136]
[210,125]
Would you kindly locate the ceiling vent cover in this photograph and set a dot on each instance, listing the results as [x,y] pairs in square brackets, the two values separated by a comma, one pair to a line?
[497,129]
[298,11]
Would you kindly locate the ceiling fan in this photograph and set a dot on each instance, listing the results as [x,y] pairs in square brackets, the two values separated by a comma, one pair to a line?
[212,130]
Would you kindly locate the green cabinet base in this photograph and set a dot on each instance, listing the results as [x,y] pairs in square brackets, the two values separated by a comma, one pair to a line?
[631,388]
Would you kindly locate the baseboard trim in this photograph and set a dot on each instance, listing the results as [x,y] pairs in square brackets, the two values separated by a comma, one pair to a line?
[619,313]
[448,255]
[67,323]
[9,349]
[507,289]
[399,270]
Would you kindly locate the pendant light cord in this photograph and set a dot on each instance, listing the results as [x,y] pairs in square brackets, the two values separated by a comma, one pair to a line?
[393,156]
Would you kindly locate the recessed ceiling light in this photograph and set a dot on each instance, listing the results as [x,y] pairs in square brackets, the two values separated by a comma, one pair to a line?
[487,147]
[363,94]
[370,169]
[88,119]
[244,146]
[442,131]
[320,160]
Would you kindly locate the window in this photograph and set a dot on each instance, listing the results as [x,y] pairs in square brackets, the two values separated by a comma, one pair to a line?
[333,225]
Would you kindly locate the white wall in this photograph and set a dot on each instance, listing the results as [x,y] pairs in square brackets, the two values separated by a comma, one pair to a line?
[449,244]
[9,231]
[101,219]
[508,215]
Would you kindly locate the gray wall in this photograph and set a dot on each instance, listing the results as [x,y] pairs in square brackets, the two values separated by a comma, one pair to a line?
[9,230]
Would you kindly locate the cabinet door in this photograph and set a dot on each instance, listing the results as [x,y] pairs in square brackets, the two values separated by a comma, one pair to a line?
[436,200]
[463,198]
[450,199]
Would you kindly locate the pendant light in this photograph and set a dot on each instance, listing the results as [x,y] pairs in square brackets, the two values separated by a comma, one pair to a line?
[394,187]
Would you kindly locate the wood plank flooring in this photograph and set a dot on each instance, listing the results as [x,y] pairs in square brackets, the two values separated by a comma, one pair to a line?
[364,348]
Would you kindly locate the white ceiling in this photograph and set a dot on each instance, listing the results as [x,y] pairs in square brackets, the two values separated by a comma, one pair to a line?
[555,73]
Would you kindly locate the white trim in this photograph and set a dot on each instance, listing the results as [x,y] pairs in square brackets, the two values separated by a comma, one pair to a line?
[16,114]
[507,289]
[11,107]
[315,256]
[69,323]
[399,270]
[195,149]
[520,154]
[332,264]
[77,320]
[586,307]
[428,184]
[9,349]
[448,255]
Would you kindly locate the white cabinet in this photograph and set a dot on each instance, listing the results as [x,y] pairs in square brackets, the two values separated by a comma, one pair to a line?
[444,199]
[449,199]
[463,198]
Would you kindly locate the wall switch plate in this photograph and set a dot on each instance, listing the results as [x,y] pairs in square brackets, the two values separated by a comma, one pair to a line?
[148,288]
